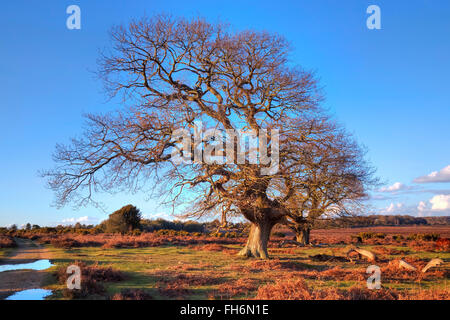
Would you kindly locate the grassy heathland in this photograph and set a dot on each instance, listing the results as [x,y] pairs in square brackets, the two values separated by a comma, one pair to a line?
[214,272]
[154,266]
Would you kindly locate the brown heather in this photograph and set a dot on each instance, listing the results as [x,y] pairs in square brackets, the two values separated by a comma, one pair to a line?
[297,289]
[6,242]
[132,294]
[93,278]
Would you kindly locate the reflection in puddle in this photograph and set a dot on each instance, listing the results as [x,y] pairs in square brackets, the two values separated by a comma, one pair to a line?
[32,294]
[37,265]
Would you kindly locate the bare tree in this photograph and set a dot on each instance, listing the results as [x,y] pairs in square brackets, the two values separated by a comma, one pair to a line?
[328,179]
[171,73]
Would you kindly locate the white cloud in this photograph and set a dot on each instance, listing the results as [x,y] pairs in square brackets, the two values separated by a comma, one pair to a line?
[393,208]
[396,187]
[159,215]
[438,205]
[83,220]
[436,176]
[440,202]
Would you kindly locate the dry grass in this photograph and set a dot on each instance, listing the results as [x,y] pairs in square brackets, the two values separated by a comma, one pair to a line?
[275,264]
[202,267]
[297,289]
[216,247]
[180,285]
[393,274]
[343,235]
[191,267]
[339,274]
[235,288]
[132,294]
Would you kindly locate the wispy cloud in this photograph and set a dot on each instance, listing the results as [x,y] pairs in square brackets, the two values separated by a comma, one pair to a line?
[377,197]
[436,176]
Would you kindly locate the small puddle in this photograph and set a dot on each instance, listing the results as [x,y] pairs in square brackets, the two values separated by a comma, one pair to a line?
[32,294]
[37,265]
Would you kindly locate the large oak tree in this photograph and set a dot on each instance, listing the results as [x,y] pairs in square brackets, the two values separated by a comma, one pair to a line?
[170,73]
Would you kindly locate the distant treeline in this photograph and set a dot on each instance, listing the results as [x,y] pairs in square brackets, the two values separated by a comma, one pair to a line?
[379,220]
[146,225]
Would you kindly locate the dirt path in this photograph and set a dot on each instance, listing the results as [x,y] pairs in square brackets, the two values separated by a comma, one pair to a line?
[27,251]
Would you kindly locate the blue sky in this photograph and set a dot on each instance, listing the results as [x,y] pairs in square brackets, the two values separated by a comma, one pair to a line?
[390,87]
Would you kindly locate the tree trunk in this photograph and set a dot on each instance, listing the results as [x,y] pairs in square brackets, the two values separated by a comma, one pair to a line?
[302,234]
[258,239]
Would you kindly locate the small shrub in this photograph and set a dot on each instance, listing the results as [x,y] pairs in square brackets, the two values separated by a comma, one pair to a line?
[443,244]
[224,234]
[136,232]
[132,294]
[371,235]
[65,243]
[7,242]
[168,232]
[424,237]
[92,279]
